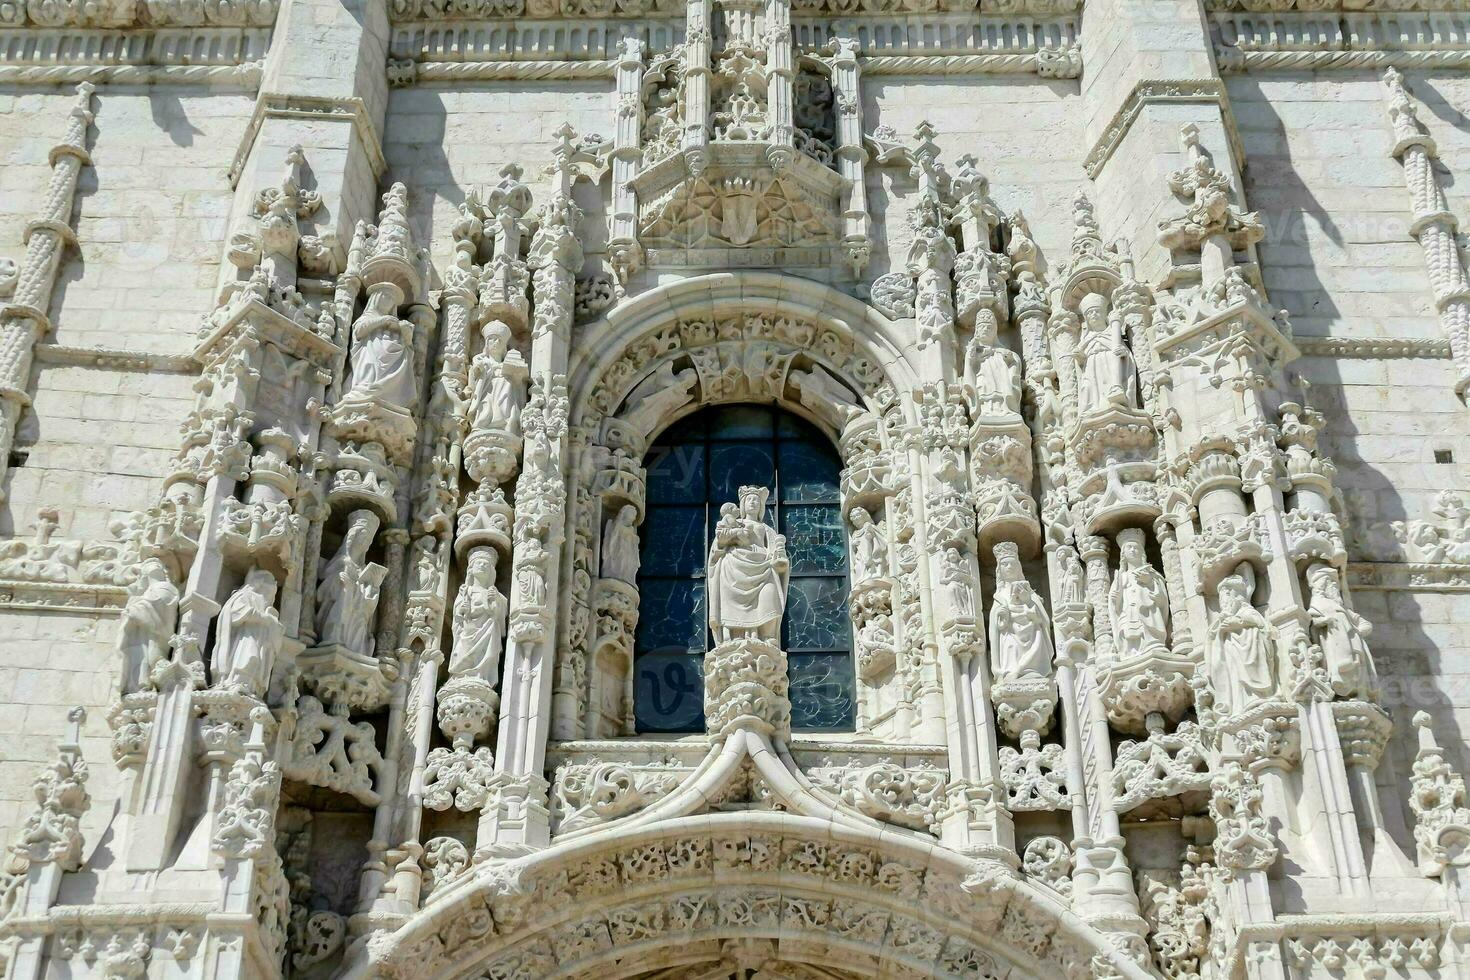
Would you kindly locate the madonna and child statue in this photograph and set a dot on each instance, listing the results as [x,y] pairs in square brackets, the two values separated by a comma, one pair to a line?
[747,572]
[745,683]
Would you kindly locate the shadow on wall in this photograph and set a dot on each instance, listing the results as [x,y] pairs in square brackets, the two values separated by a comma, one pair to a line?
[169,116]
[1411,664]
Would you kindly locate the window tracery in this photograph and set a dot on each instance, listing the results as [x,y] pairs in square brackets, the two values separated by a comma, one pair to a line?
[693,468]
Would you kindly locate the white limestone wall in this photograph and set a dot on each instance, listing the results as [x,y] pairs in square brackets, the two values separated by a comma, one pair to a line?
[151,215]
[1338,256]
[445,141]
[1025,134]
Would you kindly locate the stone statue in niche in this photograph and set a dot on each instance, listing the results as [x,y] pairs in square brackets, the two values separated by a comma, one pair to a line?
[1341,633]
[1105,371]
[747,572]
[530,572]
[1137,600]
[497,382]
[249,636]
[479,621]
[347,595]
[620,558]
[1240,659]
[1020,630]
[869,547]
[148,622]
[382,355]
[955,575]
[658,396]
[1073,587]
[993,372]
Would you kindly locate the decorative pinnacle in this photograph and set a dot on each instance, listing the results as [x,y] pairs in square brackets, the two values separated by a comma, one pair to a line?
[1407,129]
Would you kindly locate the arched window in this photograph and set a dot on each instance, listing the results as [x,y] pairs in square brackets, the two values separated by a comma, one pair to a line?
[695,466]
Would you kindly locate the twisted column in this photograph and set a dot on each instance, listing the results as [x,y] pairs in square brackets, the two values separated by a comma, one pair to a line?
[1434,226]
[27,317]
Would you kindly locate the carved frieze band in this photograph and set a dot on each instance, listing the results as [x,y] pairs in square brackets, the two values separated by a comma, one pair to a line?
[947,44]
[1376,576]
[116,359]
[1374,348]
[206,55]
[1312,41]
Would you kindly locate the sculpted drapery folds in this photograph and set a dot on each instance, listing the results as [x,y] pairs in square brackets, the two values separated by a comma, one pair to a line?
[347,596]
[748,570]
[1342,634]
[479,621]
[250,634]
[1138,601]
[148,622]
[1106,374]
[382,355]
[1020,630]
[1242,656]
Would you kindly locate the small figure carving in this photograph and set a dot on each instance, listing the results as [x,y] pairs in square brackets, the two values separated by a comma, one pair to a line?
[1138,601]
[479,621]
[748,571]
[620,557]
[657,397]
[1020,630]
[382,355]
[1240,659]
[1341,633]
[955,575]
[347,595]
[1105,375]
[148,621]
[498,382]
[250,635]
[869,547]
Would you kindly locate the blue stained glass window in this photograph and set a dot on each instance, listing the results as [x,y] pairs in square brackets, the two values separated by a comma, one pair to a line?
[695,466]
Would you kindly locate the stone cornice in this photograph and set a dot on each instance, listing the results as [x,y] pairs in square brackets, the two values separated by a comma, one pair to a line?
[116,359]
[947,44]
[1297,41]
[63,597]
[1381,576]
[213,56]
[241,78]
[1162,91]
[581,12]
[1374,348]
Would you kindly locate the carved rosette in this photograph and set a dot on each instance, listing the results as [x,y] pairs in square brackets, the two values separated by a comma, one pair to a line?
[745,686]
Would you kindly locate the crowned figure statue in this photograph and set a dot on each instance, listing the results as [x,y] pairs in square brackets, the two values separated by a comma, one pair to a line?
[747,572]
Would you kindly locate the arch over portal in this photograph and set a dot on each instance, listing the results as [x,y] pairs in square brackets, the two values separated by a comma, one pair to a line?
[741,333]
[702,889]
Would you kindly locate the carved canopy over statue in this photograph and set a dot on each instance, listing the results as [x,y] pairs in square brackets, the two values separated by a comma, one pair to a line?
[747,571]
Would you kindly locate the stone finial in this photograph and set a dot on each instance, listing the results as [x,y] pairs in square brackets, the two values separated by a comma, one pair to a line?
[1404,114]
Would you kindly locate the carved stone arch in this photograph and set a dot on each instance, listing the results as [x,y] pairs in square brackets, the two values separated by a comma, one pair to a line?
[716,887]
[855,342]
[738,337]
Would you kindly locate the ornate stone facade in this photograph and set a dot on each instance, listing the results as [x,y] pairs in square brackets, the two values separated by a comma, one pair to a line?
[1095,610]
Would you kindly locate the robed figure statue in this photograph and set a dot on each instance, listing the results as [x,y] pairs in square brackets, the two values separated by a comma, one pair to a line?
[1020,630]
[249,636]
[747,572]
